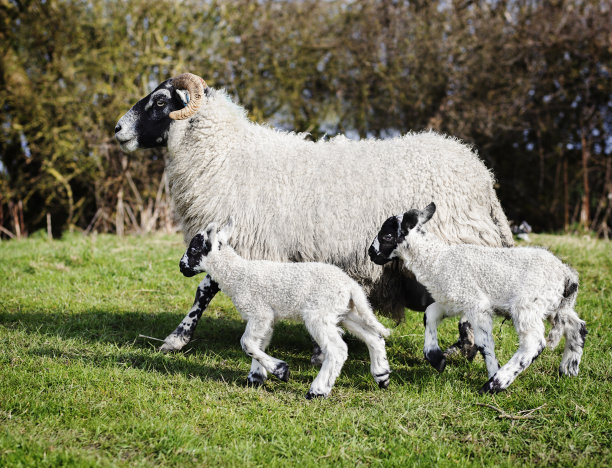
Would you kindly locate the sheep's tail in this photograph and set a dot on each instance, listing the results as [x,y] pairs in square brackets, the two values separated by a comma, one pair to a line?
[359,303]
[567,323]
[499,219]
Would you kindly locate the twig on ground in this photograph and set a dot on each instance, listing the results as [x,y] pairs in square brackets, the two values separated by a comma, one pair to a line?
[149,337]
[523,414]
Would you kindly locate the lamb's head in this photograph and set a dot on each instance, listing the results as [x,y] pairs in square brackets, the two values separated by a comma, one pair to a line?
[203,245]
[147,123]
[396,231]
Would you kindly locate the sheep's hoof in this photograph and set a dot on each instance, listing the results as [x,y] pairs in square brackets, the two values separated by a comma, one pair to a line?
[436,358]
[174,343]
[311,395]
[282,371]
[255,380]
[492,386]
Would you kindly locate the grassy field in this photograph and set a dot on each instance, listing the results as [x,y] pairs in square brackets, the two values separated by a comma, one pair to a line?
[78,387]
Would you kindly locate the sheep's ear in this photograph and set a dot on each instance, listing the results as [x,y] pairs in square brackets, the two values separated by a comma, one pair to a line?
[427,212]
[226,230]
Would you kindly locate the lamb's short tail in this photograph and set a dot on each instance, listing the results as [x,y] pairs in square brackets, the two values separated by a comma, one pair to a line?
[361,305]
[567,323]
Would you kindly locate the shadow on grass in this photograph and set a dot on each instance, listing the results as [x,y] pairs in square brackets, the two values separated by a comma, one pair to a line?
[219,336]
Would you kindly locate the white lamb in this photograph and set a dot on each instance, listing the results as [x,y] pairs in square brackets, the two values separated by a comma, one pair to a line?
[525,283]
[322,295]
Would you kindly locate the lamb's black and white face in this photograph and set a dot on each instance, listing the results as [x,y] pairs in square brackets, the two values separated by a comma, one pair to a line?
[193,259]
[147,123]
[394,232]
[211,239]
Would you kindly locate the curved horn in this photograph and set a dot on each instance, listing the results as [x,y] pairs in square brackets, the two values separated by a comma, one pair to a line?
[195,86]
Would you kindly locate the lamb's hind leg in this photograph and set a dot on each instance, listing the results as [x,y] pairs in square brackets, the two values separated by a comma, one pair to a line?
[335,353]
[256,333]
[379,365]
[531,344]
[176,340]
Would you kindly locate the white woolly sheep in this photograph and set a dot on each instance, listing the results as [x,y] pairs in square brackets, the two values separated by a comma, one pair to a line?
[321,295]
[298,200]
[527,284]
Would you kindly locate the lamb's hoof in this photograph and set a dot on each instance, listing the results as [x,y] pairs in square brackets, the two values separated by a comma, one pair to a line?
[436,358]
[492,386]
[255,380]
[383,384]
[173,343]
[282,371]
[311,395]
[570,368]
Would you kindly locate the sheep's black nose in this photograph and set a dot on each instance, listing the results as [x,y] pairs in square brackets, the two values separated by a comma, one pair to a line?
[117,128]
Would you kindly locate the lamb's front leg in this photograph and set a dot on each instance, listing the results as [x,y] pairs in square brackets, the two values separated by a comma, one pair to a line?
[434,314]
[258,375]
[176,340]
[531,343]
[255,334]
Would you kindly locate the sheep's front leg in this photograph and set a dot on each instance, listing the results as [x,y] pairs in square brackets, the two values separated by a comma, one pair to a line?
[176,340]
[434,314]
[255,335]
[465,343]
[531,343]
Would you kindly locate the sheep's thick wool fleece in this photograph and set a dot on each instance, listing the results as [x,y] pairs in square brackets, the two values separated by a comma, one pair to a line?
[297,200]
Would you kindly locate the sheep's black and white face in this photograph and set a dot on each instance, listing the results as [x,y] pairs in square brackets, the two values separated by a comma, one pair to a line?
[146,124]
[193,261]
[394,232]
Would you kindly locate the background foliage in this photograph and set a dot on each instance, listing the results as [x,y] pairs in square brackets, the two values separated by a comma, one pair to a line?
[527,83]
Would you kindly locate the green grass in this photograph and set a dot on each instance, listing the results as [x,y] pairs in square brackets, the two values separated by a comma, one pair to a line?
[78,387]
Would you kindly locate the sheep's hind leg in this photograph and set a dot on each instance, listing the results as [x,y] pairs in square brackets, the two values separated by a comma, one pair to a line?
[335,352]
[258,375]
[176,340]
[465,344]
[379,365]
[531,344]
[255,335]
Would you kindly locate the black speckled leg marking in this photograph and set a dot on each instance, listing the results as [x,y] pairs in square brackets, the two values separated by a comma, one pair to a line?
[255,380]
[184,332]
[317,354]
[282,371]
[311,396]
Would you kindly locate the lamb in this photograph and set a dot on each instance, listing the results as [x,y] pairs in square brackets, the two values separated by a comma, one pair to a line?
[526,284]
[322,295]
[298,200]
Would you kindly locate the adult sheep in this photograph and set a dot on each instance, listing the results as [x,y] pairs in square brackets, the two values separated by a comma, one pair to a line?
[299,200]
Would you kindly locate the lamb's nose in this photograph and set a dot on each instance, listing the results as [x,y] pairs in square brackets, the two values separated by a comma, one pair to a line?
[117,128]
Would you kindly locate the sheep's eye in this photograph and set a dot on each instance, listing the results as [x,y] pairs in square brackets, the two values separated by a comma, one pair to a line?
[160,103]
[388,237]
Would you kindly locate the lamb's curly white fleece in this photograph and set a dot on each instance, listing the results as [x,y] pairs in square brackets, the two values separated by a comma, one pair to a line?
[320,295]
[527,284]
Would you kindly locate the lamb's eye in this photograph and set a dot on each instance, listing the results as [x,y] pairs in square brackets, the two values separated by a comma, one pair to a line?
[160,103]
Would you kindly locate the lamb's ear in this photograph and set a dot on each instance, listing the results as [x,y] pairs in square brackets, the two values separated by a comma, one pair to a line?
[226,230]
[409,221]
[427,212]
